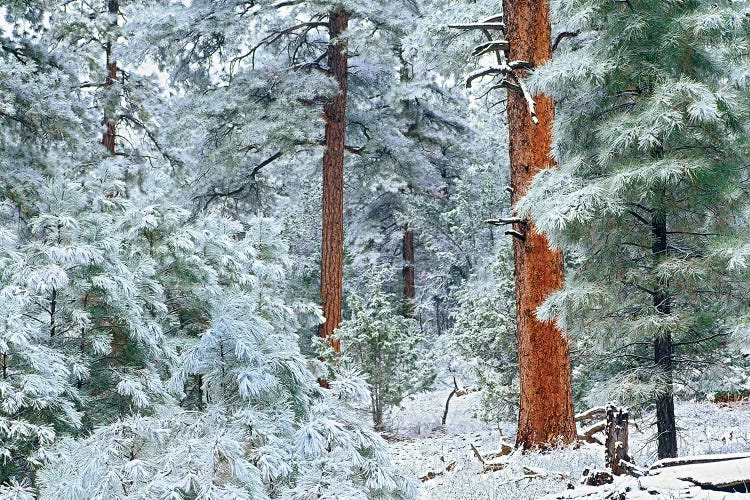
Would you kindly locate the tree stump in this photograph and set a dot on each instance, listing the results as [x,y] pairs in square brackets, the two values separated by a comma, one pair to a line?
[616,444]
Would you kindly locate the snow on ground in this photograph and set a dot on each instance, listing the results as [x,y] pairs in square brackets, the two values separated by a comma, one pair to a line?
[420,445]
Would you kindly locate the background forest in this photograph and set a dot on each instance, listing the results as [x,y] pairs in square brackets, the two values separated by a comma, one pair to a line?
[170,218]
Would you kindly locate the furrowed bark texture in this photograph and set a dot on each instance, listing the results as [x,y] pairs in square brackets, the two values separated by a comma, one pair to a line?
[665,417]
[332,252]
[546,406]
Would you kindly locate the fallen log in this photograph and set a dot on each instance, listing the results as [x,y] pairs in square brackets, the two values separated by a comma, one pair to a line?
[433,475]
[698,459]
[587,434]
[591,413]
[488,466]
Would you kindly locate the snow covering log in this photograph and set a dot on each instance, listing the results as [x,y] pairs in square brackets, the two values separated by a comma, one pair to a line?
[721,474]
[587,434]
[697,459]
[631,469]
[591,413]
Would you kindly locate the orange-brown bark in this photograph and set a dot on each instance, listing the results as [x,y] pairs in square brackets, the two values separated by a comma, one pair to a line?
[546,407]
[332,251]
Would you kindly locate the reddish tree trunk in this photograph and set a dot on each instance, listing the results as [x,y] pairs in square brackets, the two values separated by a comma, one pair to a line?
[332,253]
[546,406]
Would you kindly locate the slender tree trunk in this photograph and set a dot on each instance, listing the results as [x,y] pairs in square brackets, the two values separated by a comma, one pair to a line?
[546,406]
[119,338]
[110,121]
[408,272]
[665,418]
[332,254]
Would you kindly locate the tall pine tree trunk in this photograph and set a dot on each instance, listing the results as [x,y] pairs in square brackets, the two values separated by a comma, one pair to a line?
[332,253]
[665,418]
[546,406]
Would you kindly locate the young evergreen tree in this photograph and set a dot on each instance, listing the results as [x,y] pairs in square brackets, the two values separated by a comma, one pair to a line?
[384,345]
[251,422]
[652,141]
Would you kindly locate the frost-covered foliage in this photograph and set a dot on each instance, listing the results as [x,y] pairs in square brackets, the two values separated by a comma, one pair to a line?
[651,135]
[148,345]
[483,332]
[384,345]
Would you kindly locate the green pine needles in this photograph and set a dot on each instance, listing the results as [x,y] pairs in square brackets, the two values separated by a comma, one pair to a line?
[651,135]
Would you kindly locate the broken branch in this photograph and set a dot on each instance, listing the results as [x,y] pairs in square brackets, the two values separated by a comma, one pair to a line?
[505,221]
[515,234]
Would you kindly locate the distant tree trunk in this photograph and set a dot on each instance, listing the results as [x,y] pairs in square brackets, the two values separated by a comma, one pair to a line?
[110,121]
[119,337]
[546,406]
[665,418]
[332,253]
[408,272]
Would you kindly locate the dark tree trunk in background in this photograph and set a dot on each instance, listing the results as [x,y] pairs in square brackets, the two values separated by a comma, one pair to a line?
[408,272]
[119,337]
[332,252]
[665,418]
[110,121]
[546,406]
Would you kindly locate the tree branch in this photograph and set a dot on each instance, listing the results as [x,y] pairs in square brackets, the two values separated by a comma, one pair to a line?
[562,36]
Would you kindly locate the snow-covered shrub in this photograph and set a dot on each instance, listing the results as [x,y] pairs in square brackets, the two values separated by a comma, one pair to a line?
[383,344]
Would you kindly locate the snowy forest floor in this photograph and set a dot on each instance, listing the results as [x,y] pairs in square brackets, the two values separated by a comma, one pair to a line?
[420,445]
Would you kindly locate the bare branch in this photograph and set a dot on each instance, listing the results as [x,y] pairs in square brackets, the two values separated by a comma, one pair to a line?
[562,36]
[515,234]
[506,221]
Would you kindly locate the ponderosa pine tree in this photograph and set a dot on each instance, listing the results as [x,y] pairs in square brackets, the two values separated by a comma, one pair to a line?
[332,238]
[546,405]
[652,141]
